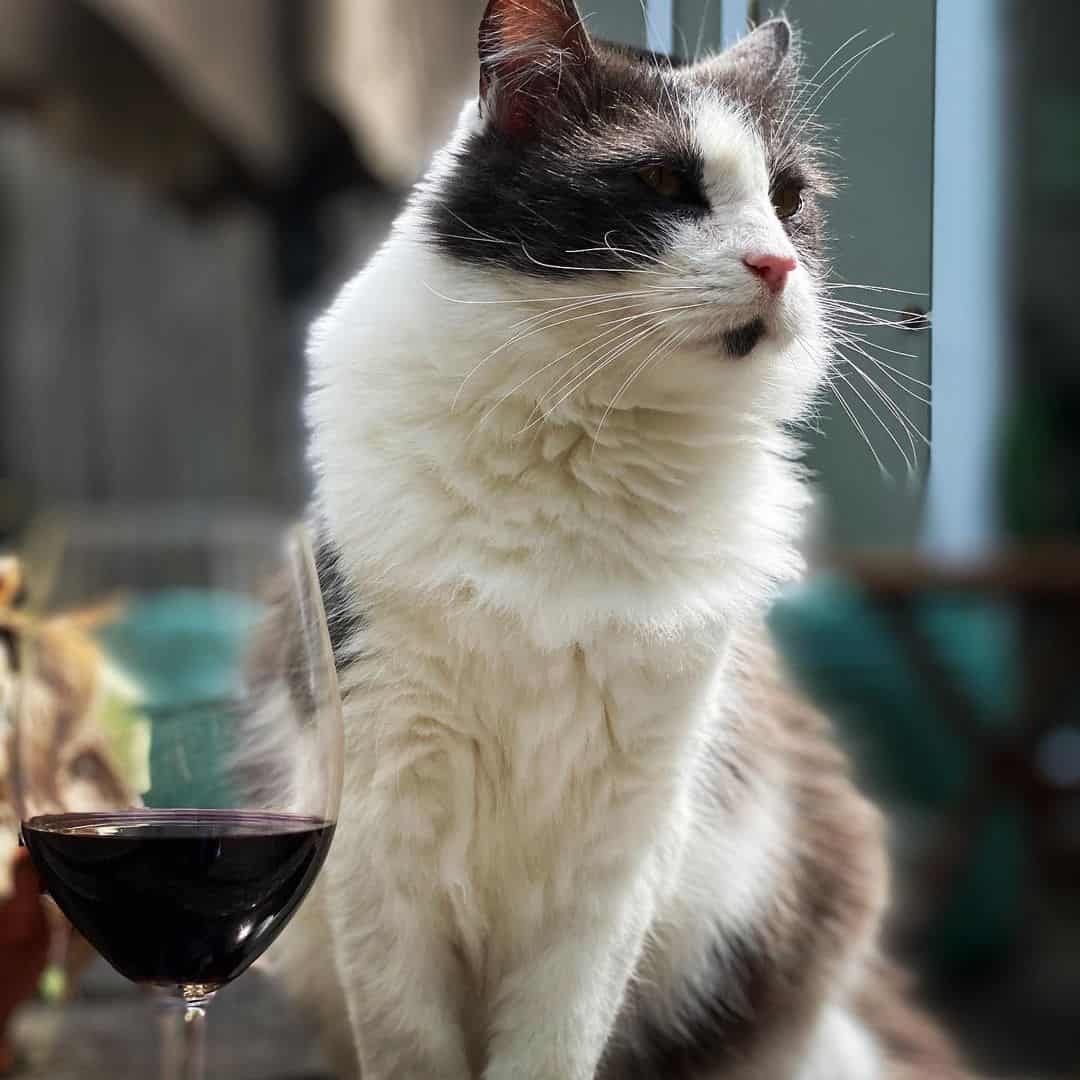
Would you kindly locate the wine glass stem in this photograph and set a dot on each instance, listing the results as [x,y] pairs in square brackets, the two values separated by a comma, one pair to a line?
[183,1040]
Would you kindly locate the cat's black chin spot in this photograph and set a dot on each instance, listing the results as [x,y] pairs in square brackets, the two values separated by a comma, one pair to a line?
[740,342]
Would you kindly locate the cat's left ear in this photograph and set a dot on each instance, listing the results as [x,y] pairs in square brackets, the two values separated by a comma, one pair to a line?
[756,64]
[533,54]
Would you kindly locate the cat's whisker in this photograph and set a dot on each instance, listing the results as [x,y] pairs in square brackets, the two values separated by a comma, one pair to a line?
[844,71]
[808,107]
[804,125]
[618,335]
[529,378]
[909,462]
[869,315]
[621,251]
[651,292]
[616,343]
[831,382]
[648,290]
[623,319]
[515,340]
[829,285]
[910,431]
[548,320]
[852,318]
[582,269]
[849,323]
[901,450]
[462,300]
[613,332]
[848,336]
[859,329]
[902,417]
[855,422]
[793,108]
[683,38]
[906,419]
[807,86]
[836,78]
[580,373]
[614,335]
[676,311]
[874,313]
[468,225]
[859,305]
[620,349]
[467,239]
[835,53]
[530,209]
[700,43]
[668,344]
[899,373]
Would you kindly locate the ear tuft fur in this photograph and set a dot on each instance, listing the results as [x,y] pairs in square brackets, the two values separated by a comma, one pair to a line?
[756,62]
[532,53]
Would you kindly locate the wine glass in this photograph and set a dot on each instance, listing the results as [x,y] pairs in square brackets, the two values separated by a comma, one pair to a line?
[178,743]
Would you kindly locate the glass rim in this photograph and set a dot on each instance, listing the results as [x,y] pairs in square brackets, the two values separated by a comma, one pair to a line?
[293,536]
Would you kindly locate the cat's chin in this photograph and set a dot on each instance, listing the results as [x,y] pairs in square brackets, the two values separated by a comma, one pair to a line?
[742,341]
[739,341]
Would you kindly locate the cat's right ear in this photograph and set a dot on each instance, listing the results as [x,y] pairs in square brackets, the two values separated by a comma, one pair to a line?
[759,64]
[533,54]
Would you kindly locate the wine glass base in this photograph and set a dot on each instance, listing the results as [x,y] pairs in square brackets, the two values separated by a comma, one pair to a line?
[183,1029]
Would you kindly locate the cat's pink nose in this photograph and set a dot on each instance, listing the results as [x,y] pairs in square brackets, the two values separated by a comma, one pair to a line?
[772,269]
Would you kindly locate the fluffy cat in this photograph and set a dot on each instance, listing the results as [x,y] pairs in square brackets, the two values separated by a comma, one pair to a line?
[584,831]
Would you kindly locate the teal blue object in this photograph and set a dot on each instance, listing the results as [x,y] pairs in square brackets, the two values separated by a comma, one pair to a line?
[843,653]
[185,649]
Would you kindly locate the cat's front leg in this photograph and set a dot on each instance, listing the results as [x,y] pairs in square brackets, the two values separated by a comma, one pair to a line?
[403,985]
[554,1014]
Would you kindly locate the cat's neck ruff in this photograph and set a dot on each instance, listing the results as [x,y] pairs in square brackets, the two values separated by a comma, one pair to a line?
[438,473]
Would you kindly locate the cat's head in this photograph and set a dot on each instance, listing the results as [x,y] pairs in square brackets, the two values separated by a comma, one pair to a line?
[679,202]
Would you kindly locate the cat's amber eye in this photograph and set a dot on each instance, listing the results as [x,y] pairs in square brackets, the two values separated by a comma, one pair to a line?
[788,201]
[664,181]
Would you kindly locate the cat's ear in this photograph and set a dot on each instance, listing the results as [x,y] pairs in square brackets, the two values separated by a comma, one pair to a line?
[757,63]
[533,54]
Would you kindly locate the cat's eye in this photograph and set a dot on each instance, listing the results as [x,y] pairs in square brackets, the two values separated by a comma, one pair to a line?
[787,201]
[664,181]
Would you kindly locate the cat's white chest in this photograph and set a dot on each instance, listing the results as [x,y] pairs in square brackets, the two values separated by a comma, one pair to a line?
[504,778]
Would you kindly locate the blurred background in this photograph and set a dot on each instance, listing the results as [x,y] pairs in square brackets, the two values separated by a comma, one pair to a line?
[183,185]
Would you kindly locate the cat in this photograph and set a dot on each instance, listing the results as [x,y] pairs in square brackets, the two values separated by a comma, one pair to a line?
[586,831]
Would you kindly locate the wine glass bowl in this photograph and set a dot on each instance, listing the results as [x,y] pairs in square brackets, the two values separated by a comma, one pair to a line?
[178,741]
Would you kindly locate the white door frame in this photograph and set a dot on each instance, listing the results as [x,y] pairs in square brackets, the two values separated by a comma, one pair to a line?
[970,302]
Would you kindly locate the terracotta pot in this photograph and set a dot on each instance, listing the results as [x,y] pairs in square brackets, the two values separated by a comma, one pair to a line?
[24,948]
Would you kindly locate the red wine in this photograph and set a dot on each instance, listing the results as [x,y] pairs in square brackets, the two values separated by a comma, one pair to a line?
[178,897]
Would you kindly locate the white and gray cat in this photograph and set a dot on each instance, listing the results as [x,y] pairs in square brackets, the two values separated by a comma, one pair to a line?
[585,831]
